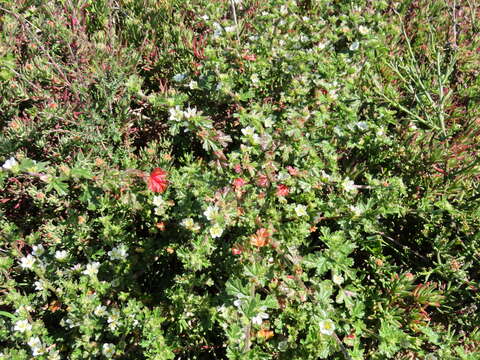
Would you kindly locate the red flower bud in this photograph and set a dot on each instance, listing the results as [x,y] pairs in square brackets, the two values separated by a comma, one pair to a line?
[282,190]
[238,183]
[236,251]
[157,181]
[292,171]
[249,57]
[262,181]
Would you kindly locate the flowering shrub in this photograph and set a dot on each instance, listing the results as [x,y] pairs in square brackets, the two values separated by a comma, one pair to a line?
[239,179]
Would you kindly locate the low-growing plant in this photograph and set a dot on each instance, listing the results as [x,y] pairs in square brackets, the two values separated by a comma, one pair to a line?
[239,179]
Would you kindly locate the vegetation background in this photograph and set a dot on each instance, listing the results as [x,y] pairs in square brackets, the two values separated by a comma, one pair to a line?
[239,179]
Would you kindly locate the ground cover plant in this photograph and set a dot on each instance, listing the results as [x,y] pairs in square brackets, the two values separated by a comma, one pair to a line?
[239,179]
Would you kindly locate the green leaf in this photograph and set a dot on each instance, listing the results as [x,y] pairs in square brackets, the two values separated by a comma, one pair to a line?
[81,173]
[59,186]
[7,314]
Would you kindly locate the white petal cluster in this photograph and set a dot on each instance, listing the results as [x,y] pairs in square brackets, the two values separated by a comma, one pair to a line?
[118,253]
[211,212]
[22,326]
[301,210]
[189,224]
[27,262]
[327,327]
[262,315]
[36,346]
[177,114]
[38,250]
[9,164]
[92,269]
[216,231]
[179,77]
[61,255]
[108,350]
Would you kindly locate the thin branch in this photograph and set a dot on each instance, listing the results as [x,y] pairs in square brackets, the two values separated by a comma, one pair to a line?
[232,2]
[402,246]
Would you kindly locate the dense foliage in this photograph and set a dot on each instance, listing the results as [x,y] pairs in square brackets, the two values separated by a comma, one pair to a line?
[239,179]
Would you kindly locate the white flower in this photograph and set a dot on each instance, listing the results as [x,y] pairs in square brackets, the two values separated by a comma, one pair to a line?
[113,319]
[230,29]
[301,210]
[10,163]
[248,131]
[54,355]
[179,77]
[304,38]
[39,285]
[190,224]
[92,269]
[193,84]
[327,327]
[338,279]
[254,78]
[256,139]
[218,30]
[68,323]
[283,10]
[100,310]
[357,210]
[349,186]
[38,250]
[36,346]
[26,308]
[27,262]
[38,351]
[354,46]
[205,17]
[187,223]
[22,326]
[238,303]
[108,350]
[258,319]
[158,201]
[176,114]
[118,253]
[61,255]
[363,30]
[76,267]
[362,125]
[268,122]
[211,212]
[216,231]
[34,342]
[190,112]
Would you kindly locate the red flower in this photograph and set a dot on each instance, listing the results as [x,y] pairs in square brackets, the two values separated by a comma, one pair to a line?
[292,171]
[282,190]
[262,180]
[238,168]
[249,57]
[157,181]
[238,183]
[236,251]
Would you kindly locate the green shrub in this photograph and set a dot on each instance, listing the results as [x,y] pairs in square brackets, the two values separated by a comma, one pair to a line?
[317,198]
